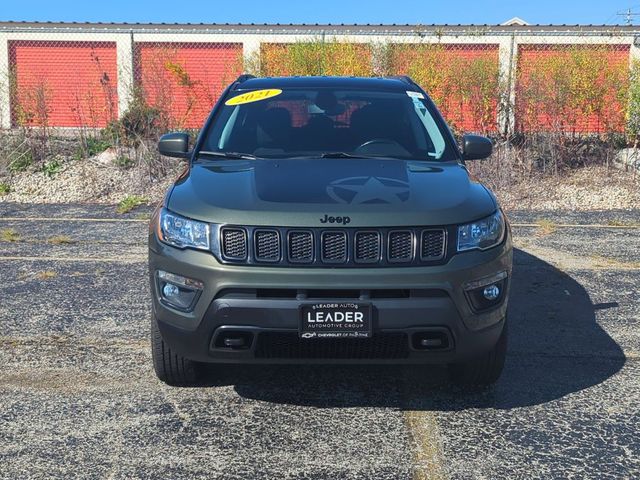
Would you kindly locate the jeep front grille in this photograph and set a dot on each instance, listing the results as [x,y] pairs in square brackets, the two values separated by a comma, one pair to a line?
[335,247]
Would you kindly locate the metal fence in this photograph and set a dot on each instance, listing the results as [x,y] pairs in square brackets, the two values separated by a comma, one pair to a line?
[485,79]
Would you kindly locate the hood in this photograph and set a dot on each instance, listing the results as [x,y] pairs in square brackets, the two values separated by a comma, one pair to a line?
[303,193]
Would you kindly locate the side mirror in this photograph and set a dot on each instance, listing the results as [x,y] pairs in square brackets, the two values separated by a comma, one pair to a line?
[174,145]
[475,147]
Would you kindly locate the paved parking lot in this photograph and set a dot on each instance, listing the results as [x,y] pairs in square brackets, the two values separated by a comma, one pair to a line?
[78,398]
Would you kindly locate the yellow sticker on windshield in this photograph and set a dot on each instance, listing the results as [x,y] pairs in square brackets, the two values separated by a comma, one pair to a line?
[254,96]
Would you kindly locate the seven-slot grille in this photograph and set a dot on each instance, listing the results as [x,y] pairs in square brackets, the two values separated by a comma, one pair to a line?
[336,247]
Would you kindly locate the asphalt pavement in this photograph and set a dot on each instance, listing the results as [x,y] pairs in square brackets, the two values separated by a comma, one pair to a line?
[78,397]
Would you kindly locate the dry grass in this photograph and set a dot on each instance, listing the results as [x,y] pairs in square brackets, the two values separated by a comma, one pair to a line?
[61,240]
[46,275]
[545,227]
[601,261]
[614,222]
[9,235]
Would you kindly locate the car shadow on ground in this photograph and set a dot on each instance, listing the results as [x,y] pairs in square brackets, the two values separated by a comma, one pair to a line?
[555,348]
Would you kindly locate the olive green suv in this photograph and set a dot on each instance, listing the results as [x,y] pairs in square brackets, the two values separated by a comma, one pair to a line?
[328,220]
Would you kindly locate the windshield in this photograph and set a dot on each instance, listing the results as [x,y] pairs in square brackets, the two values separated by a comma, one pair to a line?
[302,123]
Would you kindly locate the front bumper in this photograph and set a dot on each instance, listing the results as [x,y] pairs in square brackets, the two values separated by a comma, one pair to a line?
[263,303]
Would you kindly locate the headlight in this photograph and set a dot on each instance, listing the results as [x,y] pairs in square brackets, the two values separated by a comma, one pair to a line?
[182,232]
[483,234]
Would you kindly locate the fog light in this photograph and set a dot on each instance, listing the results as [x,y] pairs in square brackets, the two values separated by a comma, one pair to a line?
[170,290]
[486,293]
[491,292]
[177,291]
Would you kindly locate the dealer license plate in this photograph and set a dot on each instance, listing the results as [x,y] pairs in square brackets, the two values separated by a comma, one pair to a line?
[335,320]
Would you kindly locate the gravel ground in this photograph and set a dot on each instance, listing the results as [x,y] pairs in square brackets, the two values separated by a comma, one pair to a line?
[584,189]
[78,398]
[89,181]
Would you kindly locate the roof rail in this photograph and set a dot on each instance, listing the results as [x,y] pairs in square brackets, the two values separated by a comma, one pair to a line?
[241,79]
[403,78]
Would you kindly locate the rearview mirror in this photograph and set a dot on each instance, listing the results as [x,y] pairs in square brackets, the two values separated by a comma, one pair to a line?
[174,145]
[475,147]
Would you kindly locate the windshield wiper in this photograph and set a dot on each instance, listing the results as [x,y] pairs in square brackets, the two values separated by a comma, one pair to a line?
[232,155]
[342,155]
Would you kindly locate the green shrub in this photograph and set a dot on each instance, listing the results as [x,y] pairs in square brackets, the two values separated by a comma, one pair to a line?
[138,123]
[95,146]
[51,167]
[21,162]
[124,162]
[4,188]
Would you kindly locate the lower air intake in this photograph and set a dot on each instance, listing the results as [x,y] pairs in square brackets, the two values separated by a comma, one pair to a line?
[278,345]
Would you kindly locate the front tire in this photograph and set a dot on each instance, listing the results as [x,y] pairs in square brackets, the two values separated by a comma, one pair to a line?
[484,370]
[171,368]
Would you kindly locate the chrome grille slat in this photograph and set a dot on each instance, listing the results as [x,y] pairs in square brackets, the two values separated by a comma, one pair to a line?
[267,245]
[334,247]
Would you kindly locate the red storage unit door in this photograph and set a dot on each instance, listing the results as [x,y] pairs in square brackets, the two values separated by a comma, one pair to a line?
[63,84]
[184,80]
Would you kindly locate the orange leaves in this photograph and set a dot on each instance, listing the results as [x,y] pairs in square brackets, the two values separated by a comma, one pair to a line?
[572,88]
[463,80]
[316,58]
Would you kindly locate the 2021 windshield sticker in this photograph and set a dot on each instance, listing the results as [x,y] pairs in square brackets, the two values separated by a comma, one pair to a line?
[254,96]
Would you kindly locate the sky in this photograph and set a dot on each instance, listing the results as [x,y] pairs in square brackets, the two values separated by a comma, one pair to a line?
[326,11]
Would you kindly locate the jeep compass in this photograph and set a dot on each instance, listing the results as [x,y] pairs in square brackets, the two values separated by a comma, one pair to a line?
[328,220]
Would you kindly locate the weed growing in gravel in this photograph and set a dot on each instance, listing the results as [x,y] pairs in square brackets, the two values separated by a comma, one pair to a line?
[46,275]
[130,202]
[95,146]
[9,235]
[61,240]
[22,161]
[545,227]
[51,167]
[4,188]
[124,162]
[91,146]
[622,223]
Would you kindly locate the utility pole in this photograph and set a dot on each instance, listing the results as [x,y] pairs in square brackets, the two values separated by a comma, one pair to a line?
[628,16]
